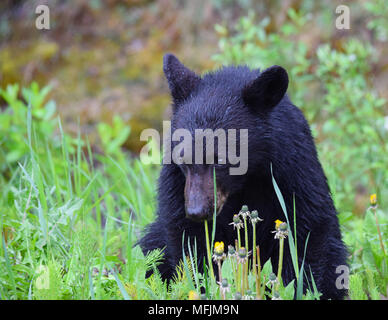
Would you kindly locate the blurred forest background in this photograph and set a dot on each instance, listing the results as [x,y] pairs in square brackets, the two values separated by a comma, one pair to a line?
[100,67]
[104,57]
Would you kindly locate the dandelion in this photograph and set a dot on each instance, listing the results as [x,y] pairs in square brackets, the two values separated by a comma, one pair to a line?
[254,216]
[278,223]
[219,248]
[193,295]
[272,280]
[281,231]
[219,254]
[242,255]
[224,287]
[248,295]
[373,200]
[231,251]
[237,296]
[244,212]
[237,223]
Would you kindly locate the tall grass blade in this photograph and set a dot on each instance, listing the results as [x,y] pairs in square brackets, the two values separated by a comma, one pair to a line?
[299,288]
[121,286]
[91,287]
[186,267]
[291,242]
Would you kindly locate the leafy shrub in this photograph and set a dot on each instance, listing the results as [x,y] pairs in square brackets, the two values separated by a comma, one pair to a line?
[13,121]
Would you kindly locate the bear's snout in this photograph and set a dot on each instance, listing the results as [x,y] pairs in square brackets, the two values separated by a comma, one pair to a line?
[198,191]
[199,196]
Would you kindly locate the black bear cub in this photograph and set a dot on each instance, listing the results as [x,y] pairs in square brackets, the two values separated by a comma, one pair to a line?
[236,97]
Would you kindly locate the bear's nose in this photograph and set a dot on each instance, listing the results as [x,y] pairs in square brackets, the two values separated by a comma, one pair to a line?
[197,191]
[196,213]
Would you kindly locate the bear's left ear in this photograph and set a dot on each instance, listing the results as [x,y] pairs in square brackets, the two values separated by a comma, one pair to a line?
[266,91]
[181,80]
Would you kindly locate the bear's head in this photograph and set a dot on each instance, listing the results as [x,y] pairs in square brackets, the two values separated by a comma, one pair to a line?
[219,128]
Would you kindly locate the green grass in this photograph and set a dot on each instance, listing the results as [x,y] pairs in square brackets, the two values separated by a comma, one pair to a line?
[66,214]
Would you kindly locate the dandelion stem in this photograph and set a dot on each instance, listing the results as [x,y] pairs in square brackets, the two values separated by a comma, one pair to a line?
[245,269]
[237,269]
[219,270]
[254,254]
[246,233]
[281,248]
[239,239]
[258,274]
[238,283]
[242,278]
[220,278]
[254,260]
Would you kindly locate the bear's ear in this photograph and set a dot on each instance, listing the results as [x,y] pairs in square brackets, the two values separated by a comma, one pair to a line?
[267,89]
[181,80]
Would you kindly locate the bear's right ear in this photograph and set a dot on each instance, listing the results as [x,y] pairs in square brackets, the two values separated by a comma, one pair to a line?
[181,80]
[266,91]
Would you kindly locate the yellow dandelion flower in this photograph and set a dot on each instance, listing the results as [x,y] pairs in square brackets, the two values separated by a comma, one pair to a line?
[219,248]
[278,223]
[373,199]
[193,295]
